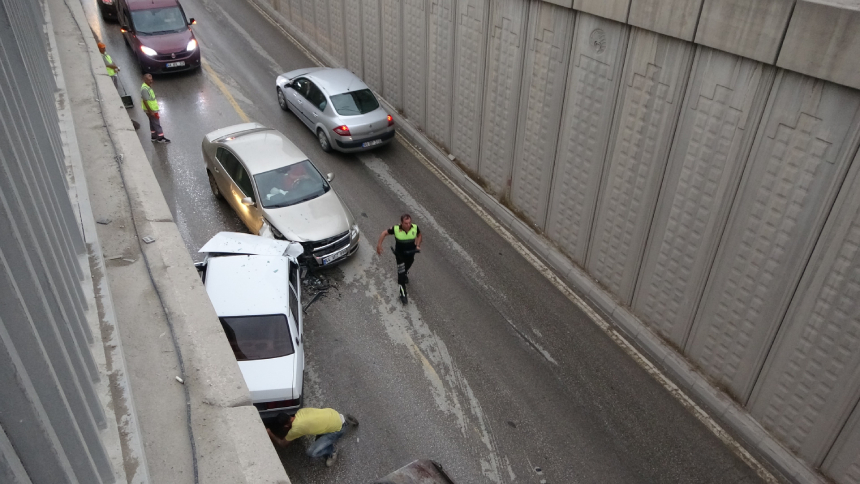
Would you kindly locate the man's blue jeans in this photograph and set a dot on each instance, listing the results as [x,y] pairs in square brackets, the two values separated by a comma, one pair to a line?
[323,446]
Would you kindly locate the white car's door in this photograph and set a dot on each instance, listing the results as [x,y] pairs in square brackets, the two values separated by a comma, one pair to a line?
[295,301]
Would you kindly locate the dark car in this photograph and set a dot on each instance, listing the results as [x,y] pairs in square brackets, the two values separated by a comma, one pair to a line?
[160,35]
[107,9]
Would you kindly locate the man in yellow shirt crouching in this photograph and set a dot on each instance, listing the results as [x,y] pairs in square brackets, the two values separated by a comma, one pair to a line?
[326,423]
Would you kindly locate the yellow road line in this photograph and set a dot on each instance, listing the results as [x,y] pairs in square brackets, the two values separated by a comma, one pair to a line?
[224,90]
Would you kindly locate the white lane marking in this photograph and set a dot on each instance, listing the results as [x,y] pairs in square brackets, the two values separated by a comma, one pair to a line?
[406,326]
[619,339]
[475,273]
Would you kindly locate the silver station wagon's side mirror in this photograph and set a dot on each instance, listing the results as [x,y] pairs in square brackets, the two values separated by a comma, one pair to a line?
[329,177]
[247,201]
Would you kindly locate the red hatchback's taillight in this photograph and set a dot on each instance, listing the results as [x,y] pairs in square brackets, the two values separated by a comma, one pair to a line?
[342,130]
[390,120]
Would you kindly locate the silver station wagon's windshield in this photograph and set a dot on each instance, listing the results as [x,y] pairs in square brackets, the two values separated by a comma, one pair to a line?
[258,337]
[290,185]
[354,103]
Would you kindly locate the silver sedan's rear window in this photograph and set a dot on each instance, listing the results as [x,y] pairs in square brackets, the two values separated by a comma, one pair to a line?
[258,337]
[354,103]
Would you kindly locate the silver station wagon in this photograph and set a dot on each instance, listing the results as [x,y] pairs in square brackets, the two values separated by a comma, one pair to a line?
[277,191]
[337,107]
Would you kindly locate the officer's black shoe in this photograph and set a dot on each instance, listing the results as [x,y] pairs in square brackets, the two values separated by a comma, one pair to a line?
[163,140]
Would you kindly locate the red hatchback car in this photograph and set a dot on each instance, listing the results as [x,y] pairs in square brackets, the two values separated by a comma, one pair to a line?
[159,34]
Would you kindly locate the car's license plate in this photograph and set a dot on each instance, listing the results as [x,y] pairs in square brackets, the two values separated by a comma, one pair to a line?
[371,143]
[176,64]
[333,257]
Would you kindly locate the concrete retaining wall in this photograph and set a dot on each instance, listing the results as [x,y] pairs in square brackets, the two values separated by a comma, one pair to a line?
[691,165]
[51,418]
[58,418]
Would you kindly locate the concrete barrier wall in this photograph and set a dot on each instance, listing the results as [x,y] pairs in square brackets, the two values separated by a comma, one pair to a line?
[50,413]
[697,158]
[53,422]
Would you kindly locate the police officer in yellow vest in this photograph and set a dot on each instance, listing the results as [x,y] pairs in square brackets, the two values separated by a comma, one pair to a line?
[407,240]
[150,107]
[112,68]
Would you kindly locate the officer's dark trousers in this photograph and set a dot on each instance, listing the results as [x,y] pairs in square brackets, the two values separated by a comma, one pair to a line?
[404,262]
[155,127]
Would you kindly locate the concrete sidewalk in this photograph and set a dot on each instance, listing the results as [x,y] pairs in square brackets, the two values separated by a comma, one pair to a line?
[154,316]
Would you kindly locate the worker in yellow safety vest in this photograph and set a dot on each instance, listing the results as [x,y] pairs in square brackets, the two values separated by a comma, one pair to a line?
[150,107]
[112,68]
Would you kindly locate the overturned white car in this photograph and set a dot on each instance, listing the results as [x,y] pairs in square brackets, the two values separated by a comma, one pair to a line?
[254,285]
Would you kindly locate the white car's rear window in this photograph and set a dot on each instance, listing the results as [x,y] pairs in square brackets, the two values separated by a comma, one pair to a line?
[354,103]
[258,337]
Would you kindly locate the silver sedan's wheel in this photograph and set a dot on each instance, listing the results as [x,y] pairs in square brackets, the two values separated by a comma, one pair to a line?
[282,101]
[214,186]
[324,144]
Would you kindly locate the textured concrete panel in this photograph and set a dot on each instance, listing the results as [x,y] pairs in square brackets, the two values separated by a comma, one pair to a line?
[843,462]
[440,71]
[470,49]
[809,133]
[337,31]
[372,45]
[414,61]
[592,85]
[546,62]
[655,75]
[352,36]
[676,18]
[501,93]
[823,41]
[810,384]
[322,27]
[612,9]
[392,53]
[749,28]
[296,12]
[725,99]
[308,25]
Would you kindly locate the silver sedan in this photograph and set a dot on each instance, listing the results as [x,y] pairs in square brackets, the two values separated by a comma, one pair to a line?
[277,191]
[337,107]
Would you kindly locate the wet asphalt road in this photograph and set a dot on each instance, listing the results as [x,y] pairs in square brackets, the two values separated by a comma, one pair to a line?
[490,370]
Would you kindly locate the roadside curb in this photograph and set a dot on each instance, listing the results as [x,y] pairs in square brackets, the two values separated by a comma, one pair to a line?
[227,436]
[718,405]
